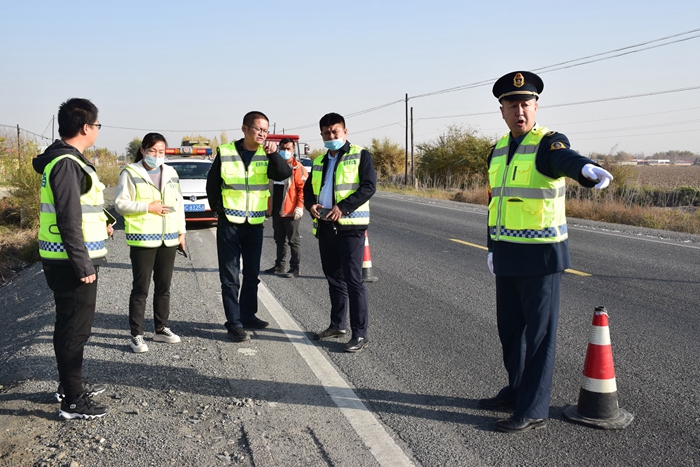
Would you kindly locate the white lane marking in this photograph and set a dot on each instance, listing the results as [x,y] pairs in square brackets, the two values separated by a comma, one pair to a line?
[381,445]
[367,427]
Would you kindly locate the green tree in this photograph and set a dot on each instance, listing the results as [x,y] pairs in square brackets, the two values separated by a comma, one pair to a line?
[132,149]
[389,158]
[458,156]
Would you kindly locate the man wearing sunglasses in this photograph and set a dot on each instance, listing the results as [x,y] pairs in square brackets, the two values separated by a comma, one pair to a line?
[238,190]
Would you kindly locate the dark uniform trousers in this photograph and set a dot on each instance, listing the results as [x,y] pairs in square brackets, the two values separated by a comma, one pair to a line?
[527,316]
[233,242]
[75,313]
[146,262]
[342,252]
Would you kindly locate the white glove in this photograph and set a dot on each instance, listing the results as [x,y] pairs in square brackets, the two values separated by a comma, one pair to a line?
[595,173]
[489,262]
[298,212]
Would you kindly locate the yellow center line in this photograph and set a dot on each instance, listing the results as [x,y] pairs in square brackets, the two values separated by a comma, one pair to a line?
[469,244]
[570,271]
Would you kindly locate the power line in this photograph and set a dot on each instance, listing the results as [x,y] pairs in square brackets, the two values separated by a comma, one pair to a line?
[631,96]
[14,127]
[626,48]
[557,66]
[593,101]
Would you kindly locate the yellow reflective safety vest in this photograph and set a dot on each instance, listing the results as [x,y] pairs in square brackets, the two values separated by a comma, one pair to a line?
[94,220]
[526,206]
[146,229]
[346,182]
[244,192]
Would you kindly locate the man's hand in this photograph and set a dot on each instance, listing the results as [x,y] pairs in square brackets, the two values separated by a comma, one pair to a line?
[298,212]
[89,279]
[158,208]
[334,214]
[595,173]
[270,147]
[314,210]
[489,262]
[110,230]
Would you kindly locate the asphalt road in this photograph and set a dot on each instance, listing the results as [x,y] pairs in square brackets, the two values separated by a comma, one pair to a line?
[434,350]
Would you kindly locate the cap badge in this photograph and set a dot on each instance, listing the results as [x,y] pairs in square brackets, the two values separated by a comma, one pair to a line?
[518,80]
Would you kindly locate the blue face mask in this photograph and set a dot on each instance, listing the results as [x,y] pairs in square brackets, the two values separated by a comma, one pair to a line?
[153,161]
[286,155]
[334,144]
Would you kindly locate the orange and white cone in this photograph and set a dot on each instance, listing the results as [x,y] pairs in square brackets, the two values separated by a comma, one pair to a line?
[367,263]
[597,401]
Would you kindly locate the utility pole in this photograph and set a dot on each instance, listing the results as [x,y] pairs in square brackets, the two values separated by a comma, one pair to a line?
[413,173]
[405,177]
[53,121]
[19,146]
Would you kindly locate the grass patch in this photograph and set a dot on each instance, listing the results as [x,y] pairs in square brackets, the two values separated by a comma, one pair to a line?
[19,248]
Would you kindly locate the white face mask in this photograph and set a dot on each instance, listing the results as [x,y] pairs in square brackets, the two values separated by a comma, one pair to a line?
[153,161]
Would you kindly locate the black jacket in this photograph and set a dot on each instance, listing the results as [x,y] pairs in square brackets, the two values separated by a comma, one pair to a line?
[518,259]
[368,186]
[277,169]
[69,182]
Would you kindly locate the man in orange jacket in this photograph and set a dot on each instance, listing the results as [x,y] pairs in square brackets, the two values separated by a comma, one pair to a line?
[287,207]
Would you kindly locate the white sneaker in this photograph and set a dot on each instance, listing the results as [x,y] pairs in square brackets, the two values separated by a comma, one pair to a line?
[138,345]
[167,336]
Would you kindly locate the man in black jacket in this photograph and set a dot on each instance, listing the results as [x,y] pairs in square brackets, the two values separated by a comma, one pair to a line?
[240,228]
[337,195]
[70,260]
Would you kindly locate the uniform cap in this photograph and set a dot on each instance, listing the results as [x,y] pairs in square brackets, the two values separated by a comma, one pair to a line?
[518,85]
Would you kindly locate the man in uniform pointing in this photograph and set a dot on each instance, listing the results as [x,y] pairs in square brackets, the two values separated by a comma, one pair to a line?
[528,246]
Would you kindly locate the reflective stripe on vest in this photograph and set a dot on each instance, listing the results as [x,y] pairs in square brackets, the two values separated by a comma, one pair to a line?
[244,192]
[94,221]
[146,229]
[346,182]
[526,206]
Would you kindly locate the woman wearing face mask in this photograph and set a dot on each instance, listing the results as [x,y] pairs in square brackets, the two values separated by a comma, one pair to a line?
[148,196]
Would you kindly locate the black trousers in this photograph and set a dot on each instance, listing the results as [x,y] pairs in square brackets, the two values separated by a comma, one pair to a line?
[527,316]
[341,258]
[233,242]
[75,313]
[286,232]
[147,262]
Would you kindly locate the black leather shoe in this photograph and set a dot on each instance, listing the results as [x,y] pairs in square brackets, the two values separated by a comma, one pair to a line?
[238,335]
[330,332]
[255,322]
[513,425]
[292,273]
[274,270]
[355,345]
[495,403]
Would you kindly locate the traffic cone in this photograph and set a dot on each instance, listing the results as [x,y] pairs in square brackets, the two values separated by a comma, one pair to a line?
[597,401]
[367,263]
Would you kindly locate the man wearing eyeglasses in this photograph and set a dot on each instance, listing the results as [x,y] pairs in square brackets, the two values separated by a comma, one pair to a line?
[72,238]
[238,190]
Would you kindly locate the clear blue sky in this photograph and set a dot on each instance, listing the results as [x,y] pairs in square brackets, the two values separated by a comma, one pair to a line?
[197,67]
